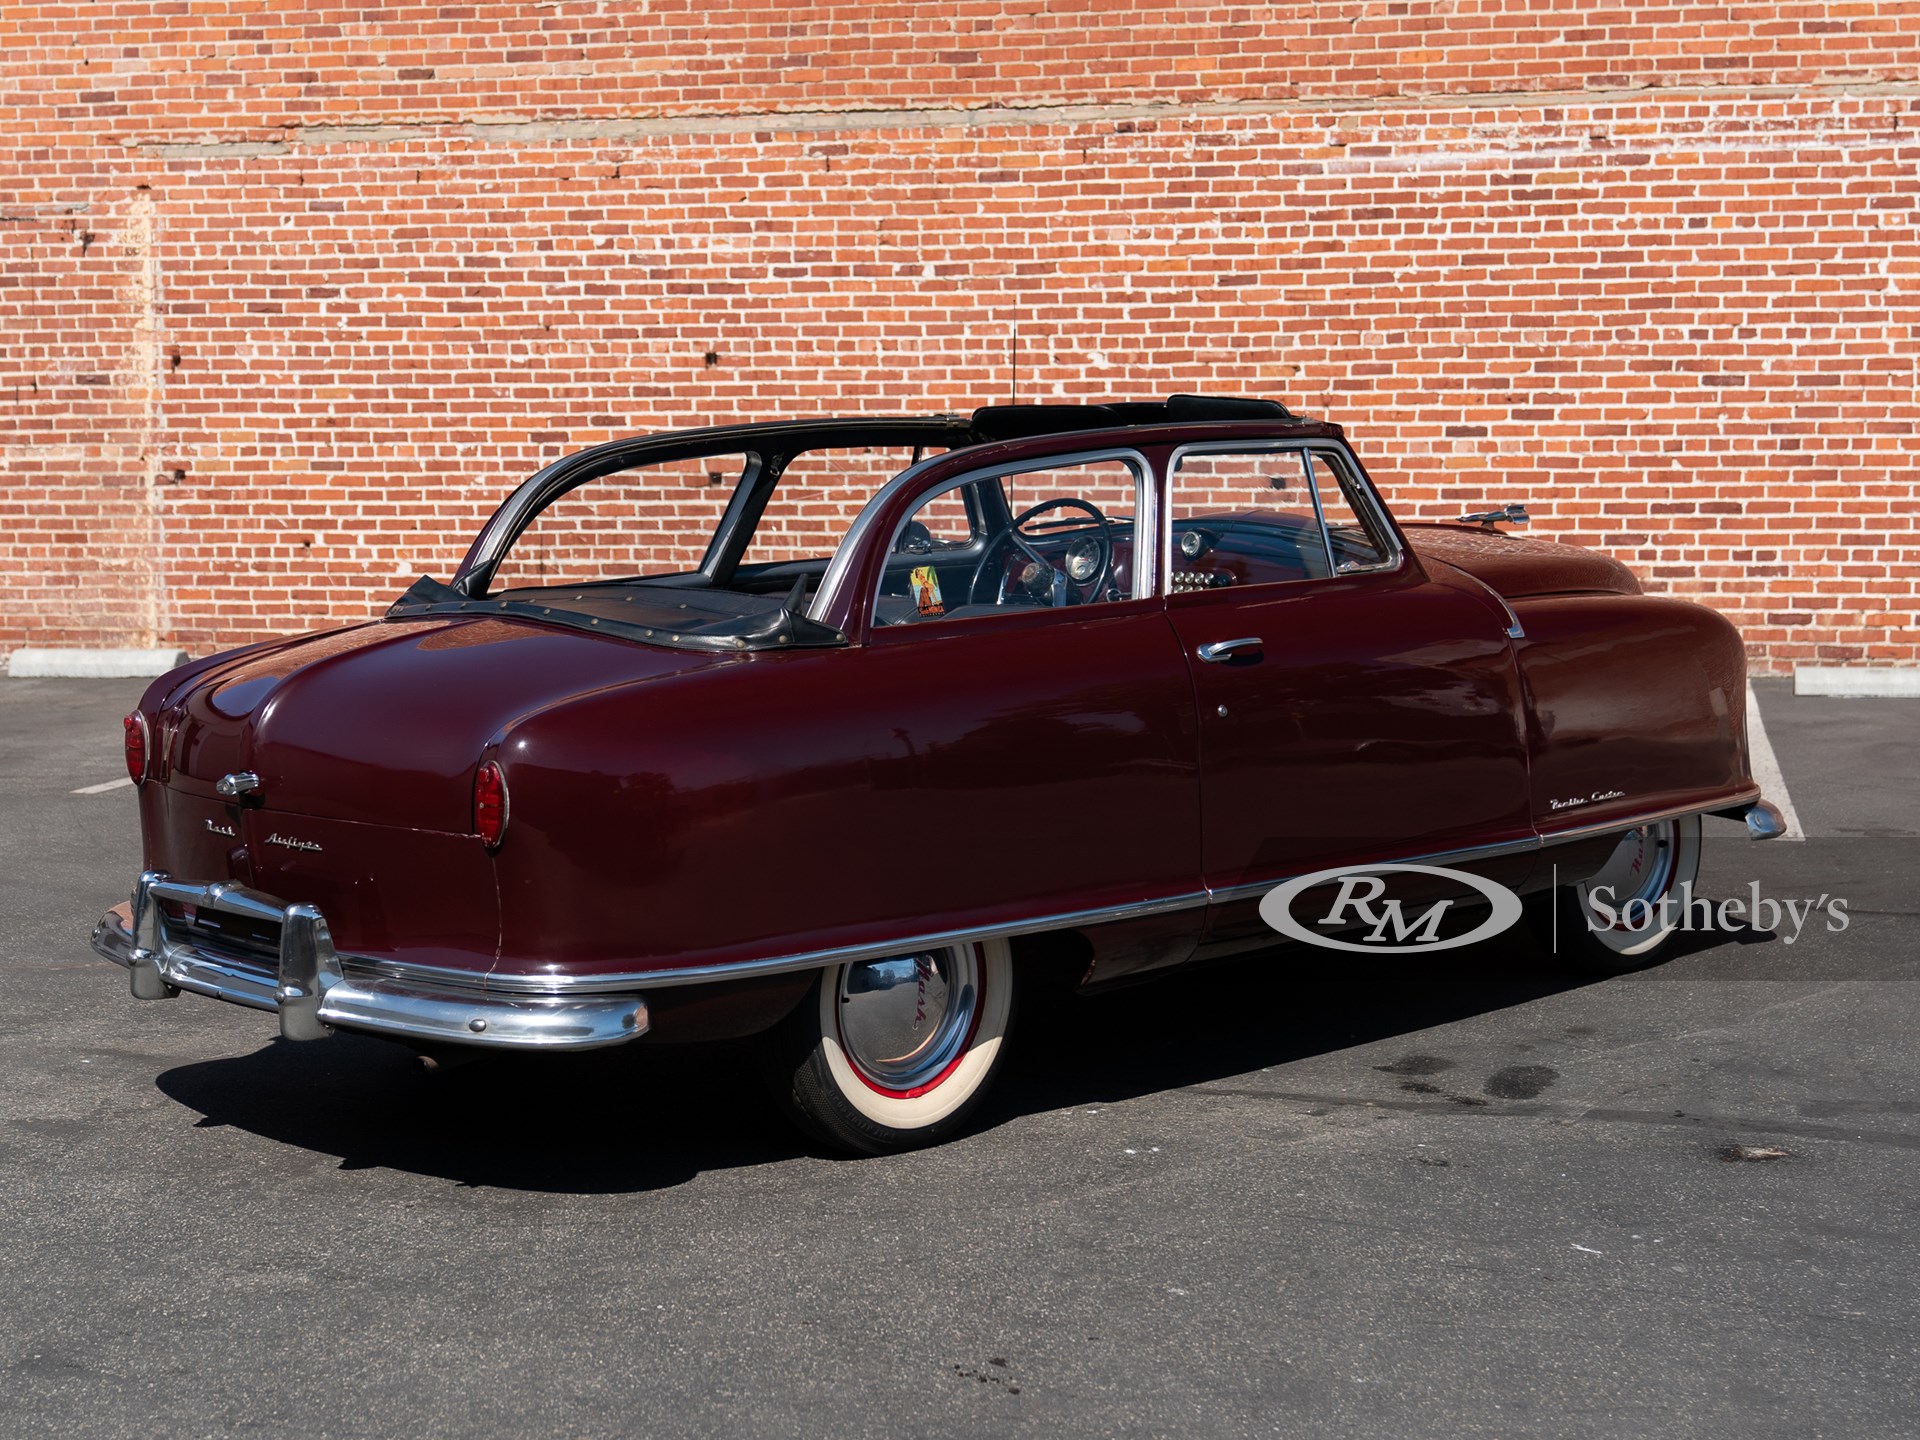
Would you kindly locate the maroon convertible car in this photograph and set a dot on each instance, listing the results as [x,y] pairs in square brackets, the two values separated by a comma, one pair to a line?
[831,732]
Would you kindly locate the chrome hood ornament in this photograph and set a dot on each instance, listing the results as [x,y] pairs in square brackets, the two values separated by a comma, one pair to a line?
[1505,515]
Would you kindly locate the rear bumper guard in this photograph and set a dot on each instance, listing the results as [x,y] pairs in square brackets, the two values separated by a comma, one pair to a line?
[1763,819]
[315,990]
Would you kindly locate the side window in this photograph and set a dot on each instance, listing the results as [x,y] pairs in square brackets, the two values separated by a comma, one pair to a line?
[1355,538]
[1245,518]
[1251,518]
[1054,537]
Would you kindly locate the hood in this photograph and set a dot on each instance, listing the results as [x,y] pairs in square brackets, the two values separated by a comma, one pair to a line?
[1514,567]
[385,722]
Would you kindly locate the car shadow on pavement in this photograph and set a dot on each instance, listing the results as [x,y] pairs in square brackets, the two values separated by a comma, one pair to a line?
[647,1118]
[609,1122]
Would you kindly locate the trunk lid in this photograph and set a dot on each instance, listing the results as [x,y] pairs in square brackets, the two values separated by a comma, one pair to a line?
[384,723]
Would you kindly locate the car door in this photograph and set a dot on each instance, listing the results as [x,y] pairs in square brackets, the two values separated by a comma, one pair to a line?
[1028,757]
[1350,707]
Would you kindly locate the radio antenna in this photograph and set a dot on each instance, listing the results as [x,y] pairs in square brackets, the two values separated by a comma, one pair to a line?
[1013,367]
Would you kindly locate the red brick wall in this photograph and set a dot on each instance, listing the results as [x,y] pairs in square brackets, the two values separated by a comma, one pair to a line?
[290,296]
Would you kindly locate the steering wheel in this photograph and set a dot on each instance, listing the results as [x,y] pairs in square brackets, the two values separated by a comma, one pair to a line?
[1057,590]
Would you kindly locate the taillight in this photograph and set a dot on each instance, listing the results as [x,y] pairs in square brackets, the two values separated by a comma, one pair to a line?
[489,804]
[136,738]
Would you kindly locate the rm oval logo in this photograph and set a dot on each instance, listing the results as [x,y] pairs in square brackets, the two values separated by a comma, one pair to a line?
[1388,929]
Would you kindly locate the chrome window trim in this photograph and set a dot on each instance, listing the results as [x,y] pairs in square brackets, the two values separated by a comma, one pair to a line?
[1319,510]
[1143,525]
[835,578]
[1363,486]
[1368,502]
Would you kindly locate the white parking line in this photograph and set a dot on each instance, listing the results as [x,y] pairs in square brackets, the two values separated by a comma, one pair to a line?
[102,789]
[1766,769]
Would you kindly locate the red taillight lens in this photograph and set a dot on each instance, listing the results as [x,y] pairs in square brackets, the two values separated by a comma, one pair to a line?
[489,804]
[136,728]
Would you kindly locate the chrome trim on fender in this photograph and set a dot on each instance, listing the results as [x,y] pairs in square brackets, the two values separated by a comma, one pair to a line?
[1650,817]
[1515,630]
[315,990]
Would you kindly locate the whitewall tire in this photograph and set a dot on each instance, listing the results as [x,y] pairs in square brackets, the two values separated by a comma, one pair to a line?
[892,1054]
[1625,915]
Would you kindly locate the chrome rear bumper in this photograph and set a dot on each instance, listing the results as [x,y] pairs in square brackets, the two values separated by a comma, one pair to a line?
[316,990]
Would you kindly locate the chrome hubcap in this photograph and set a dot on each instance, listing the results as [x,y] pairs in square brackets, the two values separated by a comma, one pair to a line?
[905,1019]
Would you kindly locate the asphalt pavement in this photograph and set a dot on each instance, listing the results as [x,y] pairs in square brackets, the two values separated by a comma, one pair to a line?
[1290,1195]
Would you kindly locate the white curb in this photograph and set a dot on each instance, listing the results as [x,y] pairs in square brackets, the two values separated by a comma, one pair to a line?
[35,663]
[1856,680]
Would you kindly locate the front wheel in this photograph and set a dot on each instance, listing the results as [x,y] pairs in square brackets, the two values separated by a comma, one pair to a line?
[892,1054]
[1624,915]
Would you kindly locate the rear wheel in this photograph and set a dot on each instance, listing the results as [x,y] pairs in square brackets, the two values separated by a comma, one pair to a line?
[1624,915]
[892,1054]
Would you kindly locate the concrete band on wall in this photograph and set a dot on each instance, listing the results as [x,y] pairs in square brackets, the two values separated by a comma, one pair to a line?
[286,314]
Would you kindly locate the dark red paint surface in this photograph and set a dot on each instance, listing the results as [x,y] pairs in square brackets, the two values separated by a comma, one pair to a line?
[671,809]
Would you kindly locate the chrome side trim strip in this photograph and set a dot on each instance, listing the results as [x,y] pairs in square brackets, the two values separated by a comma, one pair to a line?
[1651,817]
[1540,841]
[1230,893]
[317,988]
[112,939]
[821,959]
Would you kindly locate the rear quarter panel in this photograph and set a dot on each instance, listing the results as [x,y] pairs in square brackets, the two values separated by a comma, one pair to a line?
[1635,703]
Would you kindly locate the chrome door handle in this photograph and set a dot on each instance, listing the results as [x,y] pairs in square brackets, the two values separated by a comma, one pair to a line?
[1216,651]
